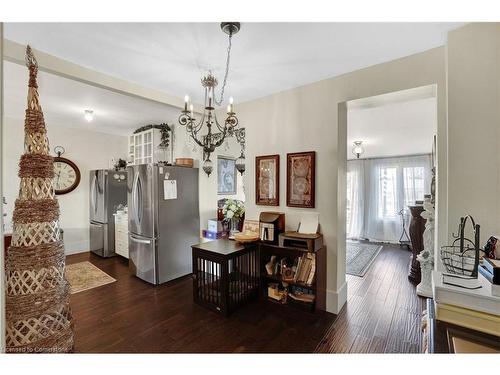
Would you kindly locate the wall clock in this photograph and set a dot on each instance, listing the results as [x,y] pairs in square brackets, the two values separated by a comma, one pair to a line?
[67,174]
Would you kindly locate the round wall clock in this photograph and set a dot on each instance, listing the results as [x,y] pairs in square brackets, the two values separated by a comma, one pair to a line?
[67,174]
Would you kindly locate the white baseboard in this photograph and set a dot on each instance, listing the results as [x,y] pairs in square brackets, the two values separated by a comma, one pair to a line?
[76,247]
[336,299]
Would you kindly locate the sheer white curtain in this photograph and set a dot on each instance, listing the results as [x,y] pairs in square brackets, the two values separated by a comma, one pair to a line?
[355,199]
[386,187]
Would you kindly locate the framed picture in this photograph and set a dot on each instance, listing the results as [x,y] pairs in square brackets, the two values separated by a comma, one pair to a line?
[267,180]
[226,175]
[300,179]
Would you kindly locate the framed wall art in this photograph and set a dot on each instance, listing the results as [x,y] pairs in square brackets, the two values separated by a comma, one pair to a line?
[226,175]
[300,179]
[267,180]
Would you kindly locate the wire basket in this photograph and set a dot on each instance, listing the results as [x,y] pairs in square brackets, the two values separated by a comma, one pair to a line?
[462,256]
[459,262]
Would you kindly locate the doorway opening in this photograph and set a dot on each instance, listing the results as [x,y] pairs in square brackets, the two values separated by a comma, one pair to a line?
[389,171]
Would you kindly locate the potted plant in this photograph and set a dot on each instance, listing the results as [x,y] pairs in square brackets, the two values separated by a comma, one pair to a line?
[233,211]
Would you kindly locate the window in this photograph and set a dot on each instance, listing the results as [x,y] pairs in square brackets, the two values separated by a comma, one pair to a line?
[387,193]
[413,184]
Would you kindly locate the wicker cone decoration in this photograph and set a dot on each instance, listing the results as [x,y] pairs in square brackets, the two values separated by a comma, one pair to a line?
[37,297]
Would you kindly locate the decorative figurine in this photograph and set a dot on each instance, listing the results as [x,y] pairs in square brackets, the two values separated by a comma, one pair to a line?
[426,257]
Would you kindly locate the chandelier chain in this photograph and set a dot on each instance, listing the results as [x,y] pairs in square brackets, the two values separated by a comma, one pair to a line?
[228,58]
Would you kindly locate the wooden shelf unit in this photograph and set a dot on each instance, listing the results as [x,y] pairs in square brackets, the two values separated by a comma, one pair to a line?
[318,286]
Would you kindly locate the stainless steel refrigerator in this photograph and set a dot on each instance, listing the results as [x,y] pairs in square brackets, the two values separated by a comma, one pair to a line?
[164,221]
[108,189]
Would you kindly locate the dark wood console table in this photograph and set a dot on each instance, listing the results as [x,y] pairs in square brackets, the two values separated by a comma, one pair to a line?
[225,274]
[417,227]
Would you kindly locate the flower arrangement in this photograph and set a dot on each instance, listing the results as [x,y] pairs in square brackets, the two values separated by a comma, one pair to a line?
[233,209]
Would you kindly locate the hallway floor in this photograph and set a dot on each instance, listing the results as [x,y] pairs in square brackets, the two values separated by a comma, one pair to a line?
[383,312]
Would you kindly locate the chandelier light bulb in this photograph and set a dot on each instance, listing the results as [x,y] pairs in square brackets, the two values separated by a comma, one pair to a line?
[231,100]
[186,98]
[89,115]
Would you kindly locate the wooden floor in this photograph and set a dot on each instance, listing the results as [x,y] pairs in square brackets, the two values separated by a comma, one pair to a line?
[129,315]
[383,312]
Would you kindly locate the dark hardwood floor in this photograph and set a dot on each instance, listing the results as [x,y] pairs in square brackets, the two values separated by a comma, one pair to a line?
[129,316]
[383,312]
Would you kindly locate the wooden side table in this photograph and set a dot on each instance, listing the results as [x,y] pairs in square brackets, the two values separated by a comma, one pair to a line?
[225,274]
[417,227]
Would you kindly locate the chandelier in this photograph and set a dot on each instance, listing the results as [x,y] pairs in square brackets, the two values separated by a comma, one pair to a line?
[215,133]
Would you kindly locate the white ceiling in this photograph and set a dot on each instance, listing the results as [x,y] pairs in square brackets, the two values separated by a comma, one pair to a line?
[266,57]
[64,101]
[395,124]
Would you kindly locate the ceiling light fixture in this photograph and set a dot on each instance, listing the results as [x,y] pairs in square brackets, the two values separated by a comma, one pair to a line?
[358,148]
[89,115]
[207,140]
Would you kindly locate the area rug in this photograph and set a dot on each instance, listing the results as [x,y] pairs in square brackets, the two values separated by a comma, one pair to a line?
[359,257]
[84,276]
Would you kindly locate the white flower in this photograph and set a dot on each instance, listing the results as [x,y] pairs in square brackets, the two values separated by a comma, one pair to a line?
[232,207]
[230,214]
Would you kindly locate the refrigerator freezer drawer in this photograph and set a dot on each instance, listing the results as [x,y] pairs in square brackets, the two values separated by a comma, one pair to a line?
[142,258]
[97,236]
[102,241]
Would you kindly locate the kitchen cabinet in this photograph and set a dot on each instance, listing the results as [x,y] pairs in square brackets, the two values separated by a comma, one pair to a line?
[121,234]
[143,148]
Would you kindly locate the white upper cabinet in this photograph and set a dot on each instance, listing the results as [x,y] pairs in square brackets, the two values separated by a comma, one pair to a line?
[143,148]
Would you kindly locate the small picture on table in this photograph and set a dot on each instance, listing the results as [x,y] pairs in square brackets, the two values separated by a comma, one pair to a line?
[300,175]
[267,174]
[226,175]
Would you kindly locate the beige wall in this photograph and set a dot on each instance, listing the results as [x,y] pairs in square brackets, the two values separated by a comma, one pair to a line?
[474,126]
[89,150]
[306,118]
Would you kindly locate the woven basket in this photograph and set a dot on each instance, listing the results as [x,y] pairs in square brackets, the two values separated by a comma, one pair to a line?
[38,316]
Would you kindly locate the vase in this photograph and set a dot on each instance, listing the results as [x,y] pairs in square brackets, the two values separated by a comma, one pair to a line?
[233,227]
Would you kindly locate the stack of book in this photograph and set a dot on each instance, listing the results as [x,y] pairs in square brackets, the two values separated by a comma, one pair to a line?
[305,269]
[490,269]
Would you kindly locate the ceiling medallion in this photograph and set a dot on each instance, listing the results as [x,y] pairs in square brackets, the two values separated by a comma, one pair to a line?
[207,139]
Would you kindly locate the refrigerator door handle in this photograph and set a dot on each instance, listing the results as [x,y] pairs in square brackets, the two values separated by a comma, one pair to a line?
[135,198]
[93,195]
[139,240]
[139,200]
